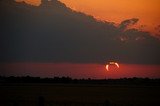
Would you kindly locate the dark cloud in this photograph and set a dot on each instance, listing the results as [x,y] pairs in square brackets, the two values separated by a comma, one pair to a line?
[124,24]
[54,33]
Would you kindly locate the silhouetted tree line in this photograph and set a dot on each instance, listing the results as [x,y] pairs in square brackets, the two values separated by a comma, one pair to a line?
[68,80]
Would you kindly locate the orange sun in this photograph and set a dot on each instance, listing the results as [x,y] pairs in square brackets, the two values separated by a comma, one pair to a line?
[112,66]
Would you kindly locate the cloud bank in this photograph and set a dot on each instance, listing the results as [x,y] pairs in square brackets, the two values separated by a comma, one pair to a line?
[52,32]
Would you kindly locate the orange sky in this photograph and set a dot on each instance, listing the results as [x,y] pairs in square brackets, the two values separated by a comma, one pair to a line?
[148,11]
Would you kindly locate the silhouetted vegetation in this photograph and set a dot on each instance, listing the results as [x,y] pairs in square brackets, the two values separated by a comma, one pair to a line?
[68,80]
[65,91]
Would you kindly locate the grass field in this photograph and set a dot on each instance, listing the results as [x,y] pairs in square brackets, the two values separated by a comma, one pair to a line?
[78,95]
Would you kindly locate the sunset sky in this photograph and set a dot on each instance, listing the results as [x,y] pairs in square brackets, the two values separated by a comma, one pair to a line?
[50,39]
[95,71]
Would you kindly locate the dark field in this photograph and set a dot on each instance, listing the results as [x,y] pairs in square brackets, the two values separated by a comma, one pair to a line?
[37,94]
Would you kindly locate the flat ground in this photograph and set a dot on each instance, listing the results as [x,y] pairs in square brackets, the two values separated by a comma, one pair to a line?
[78,95]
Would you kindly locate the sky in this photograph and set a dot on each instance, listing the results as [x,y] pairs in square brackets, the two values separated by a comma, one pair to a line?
[49,39]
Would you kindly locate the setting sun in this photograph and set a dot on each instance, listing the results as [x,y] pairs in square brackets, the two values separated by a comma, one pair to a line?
[114,65]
